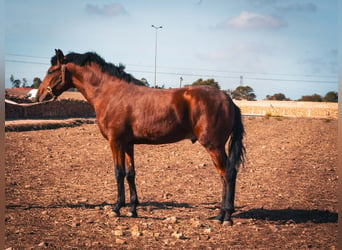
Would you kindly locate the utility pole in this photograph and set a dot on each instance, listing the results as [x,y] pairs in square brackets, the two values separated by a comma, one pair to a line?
[155,54]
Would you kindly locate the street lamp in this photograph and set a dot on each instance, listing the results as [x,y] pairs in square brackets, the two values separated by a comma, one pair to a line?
[155,55]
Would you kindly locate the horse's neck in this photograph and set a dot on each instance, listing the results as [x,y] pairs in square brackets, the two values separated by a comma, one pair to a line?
[91,83]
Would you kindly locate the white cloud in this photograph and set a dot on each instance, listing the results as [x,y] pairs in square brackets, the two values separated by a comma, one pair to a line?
[114,9]
[250,20]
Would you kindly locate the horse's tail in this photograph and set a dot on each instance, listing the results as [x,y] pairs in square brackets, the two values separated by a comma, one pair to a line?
[236,152]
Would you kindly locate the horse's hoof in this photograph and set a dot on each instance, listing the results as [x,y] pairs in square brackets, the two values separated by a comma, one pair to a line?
[133,214]
[219,218]
[217,221]
[117,213]
[228,223]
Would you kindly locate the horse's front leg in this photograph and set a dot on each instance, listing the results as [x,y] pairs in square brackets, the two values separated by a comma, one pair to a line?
[120,173]
[130,175]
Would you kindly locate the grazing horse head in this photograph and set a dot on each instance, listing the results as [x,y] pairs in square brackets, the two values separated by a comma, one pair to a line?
[57,80]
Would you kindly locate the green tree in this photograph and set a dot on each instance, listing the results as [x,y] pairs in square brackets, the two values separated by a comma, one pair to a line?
[331,96]
[311,98]
[24,84]
[15,82]
[278,97]
[210,82]
[36,83]
[145,82]
[244,93]
[159,87]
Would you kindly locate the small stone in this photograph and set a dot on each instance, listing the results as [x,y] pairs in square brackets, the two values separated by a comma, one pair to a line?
[167,196]
[177,235]
[76,224]
[120,241]
[82,200]
[42,244]
[118,232]
[135,231]
[137,234]
[170,220]
[208,230]
[197,223]
[107,208]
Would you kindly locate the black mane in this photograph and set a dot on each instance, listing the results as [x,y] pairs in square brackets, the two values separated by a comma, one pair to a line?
[109,68]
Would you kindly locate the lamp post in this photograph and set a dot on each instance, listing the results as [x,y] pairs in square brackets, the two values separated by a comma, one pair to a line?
[155,55]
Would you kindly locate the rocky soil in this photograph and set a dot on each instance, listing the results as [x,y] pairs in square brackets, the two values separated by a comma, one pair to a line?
[60,189]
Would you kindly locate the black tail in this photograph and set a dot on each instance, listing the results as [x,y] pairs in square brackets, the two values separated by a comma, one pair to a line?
[236,147]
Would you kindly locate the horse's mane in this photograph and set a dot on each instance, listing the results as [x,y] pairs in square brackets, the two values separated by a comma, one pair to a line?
[109,68]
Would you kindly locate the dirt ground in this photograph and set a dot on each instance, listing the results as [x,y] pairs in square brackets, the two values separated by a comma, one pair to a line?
[60,188]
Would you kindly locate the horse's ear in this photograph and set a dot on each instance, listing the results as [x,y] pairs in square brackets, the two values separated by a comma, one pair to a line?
[60,56]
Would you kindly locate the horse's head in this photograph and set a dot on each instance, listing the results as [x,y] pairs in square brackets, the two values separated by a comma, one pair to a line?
[57,80]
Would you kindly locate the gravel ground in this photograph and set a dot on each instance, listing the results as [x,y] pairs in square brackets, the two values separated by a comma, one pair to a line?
[60,189]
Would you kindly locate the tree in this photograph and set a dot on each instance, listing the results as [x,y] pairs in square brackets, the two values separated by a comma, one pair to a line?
[15,82]
[228,92]
[36,83]
[145,82]
[24,85]
[210,82]
[244,93]
[278,97]
[311,98]
[331,96]
[159,87]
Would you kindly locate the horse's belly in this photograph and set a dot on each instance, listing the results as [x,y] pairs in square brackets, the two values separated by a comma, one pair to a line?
[161,136]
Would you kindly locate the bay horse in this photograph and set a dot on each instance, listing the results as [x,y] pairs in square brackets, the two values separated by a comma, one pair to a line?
[129,113]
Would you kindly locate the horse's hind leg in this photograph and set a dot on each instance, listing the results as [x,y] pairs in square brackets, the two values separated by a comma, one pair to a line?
[130,176]
[228,203]
[228,177]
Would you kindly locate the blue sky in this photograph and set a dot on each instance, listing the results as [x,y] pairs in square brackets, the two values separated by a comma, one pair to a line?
[275,45]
